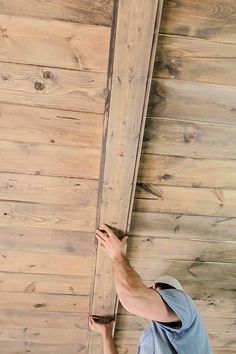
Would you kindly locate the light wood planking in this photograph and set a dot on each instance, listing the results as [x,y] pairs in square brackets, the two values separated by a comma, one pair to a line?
[43,159]
[45,283]
[187,172]
[43,263]
[46,240]
[185,250]
[44,302]
[81,11]
[195,60]
[46,216]
[33,41]
[66,89]
[50,126]
[11,347]
[189,139]
[211,20]
[58,190]
[185,227]
[198,201]
[192,101]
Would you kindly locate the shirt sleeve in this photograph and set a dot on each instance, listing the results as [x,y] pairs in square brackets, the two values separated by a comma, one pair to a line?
[181,304]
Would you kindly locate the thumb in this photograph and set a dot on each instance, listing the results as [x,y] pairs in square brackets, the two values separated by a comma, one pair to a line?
[124,240]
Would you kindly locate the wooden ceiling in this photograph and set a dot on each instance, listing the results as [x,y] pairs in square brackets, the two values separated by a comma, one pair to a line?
[74,91]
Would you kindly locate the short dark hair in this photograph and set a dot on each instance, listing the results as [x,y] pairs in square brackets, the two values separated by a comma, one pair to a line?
[164,286]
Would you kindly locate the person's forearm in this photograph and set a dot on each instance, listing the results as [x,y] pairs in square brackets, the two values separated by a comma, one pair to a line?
[109,345]
[127,281]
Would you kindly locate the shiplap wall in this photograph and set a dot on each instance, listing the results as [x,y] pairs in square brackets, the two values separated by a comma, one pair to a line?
[184,218]
[53,73]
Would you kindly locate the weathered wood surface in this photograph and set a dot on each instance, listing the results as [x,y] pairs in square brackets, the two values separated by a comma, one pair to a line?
[187,172]
[185,200]
[211,20]
[45,283]
[182,226]
[44,159]
[192,101]
[66,89]
[94,12]
[195,60]
[189,139]
[46,216]
[34,41]
[185,250]
[47,240]
[50,126]
[11,347]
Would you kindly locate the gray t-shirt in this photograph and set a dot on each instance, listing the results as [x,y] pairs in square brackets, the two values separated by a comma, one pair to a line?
[190,338]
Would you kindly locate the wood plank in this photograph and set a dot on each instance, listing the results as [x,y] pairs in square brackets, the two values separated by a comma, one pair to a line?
[58,190]
[81,243]
[23,318]
[80,11]
[33,41]
[44,302]
[189,139]
[44,335]
[45,283]
[129,80]
[45,263]
[195,60]
[185,250]
[212,20]
[42,159]
[50,126]
[187,172]
[10,347]
[194,201]
[65,89]
[192,101]
[46,216]
[185,227]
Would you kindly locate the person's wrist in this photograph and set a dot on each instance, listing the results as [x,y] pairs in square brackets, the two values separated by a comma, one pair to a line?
[119,257]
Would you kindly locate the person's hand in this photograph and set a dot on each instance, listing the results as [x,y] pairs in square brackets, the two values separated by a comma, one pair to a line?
[110,243]
[105,329]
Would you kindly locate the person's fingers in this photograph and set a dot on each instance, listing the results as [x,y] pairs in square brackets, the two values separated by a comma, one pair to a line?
[107,229]
[124,240]
[101,234]
[100,240]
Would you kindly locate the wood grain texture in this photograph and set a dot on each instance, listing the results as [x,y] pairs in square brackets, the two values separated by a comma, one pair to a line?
[182,226]
[184,250]
[211,20]
[43,159]
[46,216]
[185,200]
[50,126]
[95,12]
[192,101]
[195,60]
[66,89]
[187,172]
[44,283]
[189,139]
[11,347]
[46,240]
[33,41]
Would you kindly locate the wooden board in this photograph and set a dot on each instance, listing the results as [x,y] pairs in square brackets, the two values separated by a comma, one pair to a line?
[44,159]
[11,347]
[195,60]
[46,216]
[189,139]
[187,172]
[66,89]
[34,41]
[81,11]
[192,101]
[211,20]
[182,226]
[50,126]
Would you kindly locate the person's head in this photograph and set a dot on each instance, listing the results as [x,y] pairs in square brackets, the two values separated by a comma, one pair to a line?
[166,282]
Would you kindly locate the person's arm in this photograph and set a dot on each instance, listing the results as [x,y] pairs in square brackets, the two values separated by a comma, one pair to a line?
[106,332]
[135,296]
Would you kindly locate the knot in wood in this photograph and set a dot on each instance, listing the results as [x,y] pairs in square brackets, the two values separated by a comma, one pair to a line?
[5,77]
[48,75]
[39,86]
